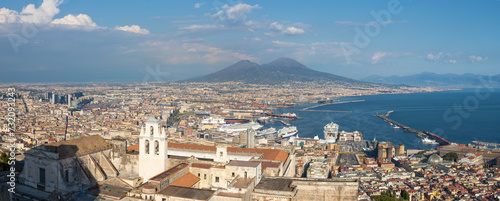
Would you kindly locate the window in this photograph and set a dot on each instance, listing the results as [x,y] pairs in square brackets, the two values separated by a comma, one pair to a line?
[147,146]
[205,176]
[42,175]
[157,147]
[216,179]
[151,129]
[164,199]
[246,174]
[66,173]
[199,175]
[221,154]
[232,174]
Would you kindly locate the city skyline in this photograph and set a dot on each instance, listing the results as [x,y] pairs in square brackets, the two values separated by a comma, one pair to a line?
[77,41]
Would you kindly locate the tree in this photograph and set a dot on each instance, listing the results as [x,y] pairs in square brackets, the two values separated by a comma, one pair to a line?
[4,162]
[405,195]
[452,156]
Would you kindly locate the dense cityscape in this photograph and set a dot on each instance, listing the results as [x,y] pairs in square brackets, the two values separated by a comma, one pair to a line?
[92,142]
[224,100]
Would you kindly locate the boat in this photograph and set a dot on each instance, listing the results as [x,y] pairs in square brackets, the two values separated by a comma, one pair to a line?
[265,132]
[396,127]
[429,141]
[289,115]
[287,131]
[331,132]
[238,127]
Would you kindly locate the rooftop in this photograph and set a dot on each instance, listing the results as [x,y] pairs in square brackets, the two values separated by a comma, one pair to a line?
[186,180]
[169,172]
[275,184]
[78,147]
[243,163]
[189,193]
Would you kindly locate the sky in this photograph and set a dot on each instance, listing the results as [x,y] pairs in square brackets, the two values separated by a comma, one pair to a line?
[158,40]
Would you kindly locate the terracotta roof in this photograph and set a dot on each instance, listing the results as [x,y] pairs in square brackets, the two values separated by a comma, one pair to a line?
[132,148]
[187,180]
[77,147]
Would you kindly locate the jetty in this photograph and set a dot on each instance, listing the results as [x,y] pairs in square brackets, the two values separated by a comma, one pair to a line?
[310,109]
[284,123]
[421,134]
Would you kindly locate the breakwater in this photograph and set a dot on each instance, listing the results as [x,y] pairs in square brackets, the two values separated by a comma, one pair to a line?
[421,134]
[310,109]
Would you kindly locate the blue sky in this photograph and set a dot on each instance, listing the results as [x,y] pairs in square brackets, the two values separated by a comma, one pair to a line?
[76,40]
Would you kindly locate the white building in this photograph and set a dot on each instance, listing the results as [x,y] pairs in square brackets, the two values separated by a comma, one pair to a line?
[153,144]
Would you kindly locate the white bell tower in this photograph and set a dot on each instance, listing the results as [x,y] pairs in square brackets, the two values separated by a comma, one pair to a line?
[153,145]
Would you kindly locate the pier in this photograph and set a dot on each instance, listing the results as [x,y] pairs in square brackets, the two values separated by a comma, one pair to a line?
[438,138]
[309,109]
[284,123]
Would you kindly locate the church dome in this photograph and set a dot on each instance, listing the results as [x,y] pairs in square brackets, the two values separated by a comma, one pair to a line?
[435,159]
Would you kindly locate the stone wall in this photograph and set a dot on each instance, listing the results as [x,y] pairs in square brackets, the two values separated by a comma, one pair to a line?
[123,162]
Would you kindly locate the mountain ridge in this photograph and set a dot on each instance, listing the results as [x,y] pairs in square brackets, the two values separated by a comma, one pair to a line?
[280,70]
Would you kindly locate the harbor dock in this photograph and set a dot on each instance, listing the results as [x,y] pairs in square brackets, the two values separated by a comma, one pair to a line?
[421,134]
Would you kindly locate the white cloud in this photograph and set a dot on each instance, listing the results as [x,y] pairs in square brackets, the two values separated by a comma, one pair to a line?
[279,28]
[453,58]
[134,29]
[8,16]
[45,13]
[287,43]
[198,5]
[30,14]
[200,27]
[474,58]
[176,52]
[82,21]
[377,56]
[234,15]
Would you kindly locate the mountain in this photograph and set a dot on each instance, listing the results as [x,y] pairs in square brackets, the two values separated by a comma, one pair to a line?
[438,80]
[278,71]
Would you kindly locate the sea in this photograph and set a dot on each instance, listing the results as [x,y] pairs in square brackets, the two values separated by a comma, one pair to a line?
[460,116]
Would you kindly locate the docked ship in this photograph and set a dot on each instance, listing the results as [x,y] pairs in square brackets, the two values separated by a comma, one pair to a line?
[287,131]
[237,127]
[289,115]
[265,132]
[331,132]
[429,141]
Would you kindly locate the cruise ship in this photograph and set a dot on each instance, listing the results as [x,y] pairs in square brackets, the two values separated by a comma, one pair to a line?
[288,131]
[331,132]
[265,132]
[429,141]
[237,127]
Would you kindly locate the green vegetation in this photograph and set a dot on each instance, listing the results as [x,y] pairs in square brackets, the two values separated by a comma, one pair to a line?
[4,162]
[391,196]
[450,156]
[420,154]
